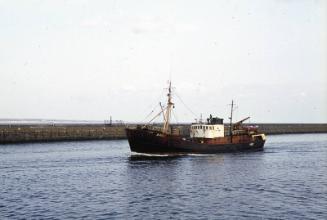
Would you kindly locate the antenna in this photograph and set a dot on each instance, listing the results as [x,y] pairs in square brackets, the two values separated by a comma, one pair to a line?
[171,66]
[170,70]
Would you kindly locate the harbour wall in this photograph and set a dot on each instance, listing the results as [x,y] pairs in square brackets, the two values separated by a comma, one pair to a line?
[42,133]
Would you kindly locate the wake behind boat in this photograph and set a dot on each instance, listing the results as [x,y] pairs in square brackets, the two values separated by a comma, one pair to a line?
[205,137]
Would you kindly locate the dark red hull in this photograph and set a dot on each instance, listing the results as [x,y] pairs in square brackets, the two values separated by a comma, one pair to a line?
[149,141]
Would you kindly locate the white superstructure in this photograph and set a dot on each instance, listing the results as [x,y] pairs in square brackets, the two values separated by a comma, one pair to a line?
[212,129]
[207,130]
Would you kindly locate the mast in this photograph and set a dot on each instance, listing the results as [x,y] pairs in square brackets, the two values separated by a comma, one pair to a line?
[163,111]
[231,122]
[168,111]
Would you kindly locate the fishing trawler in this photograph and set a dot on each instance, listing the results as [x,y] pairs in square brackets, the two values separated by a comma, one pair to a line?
[205,137]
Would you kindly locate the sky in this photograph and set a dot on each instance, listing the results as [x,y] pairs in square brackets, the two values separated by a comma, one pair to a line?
[89,60]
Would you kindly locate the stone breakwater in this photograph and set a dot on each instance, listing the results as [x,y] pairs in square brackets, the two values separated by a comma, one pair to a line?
[41,133]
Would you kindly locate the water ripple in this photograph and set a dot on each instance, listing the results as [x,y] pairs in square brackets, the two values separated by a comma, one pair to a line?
[103,180]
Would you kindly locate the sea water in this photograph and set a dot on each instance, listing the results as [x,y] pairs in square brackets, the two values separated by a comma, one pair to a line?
[104,180]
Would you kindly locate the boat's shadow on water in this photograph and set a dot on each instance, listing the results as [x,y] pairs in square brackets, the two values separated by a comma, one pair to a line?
[171,157]
[155,157]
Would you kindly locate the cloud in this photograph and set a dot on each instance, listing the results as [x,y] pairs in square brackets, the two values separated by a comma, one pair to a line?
[162,27]
[140,24]
[97,21]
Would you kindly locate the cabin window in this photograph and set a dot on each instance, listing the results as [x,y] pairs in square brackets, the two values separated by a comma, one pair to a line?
[200,127]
